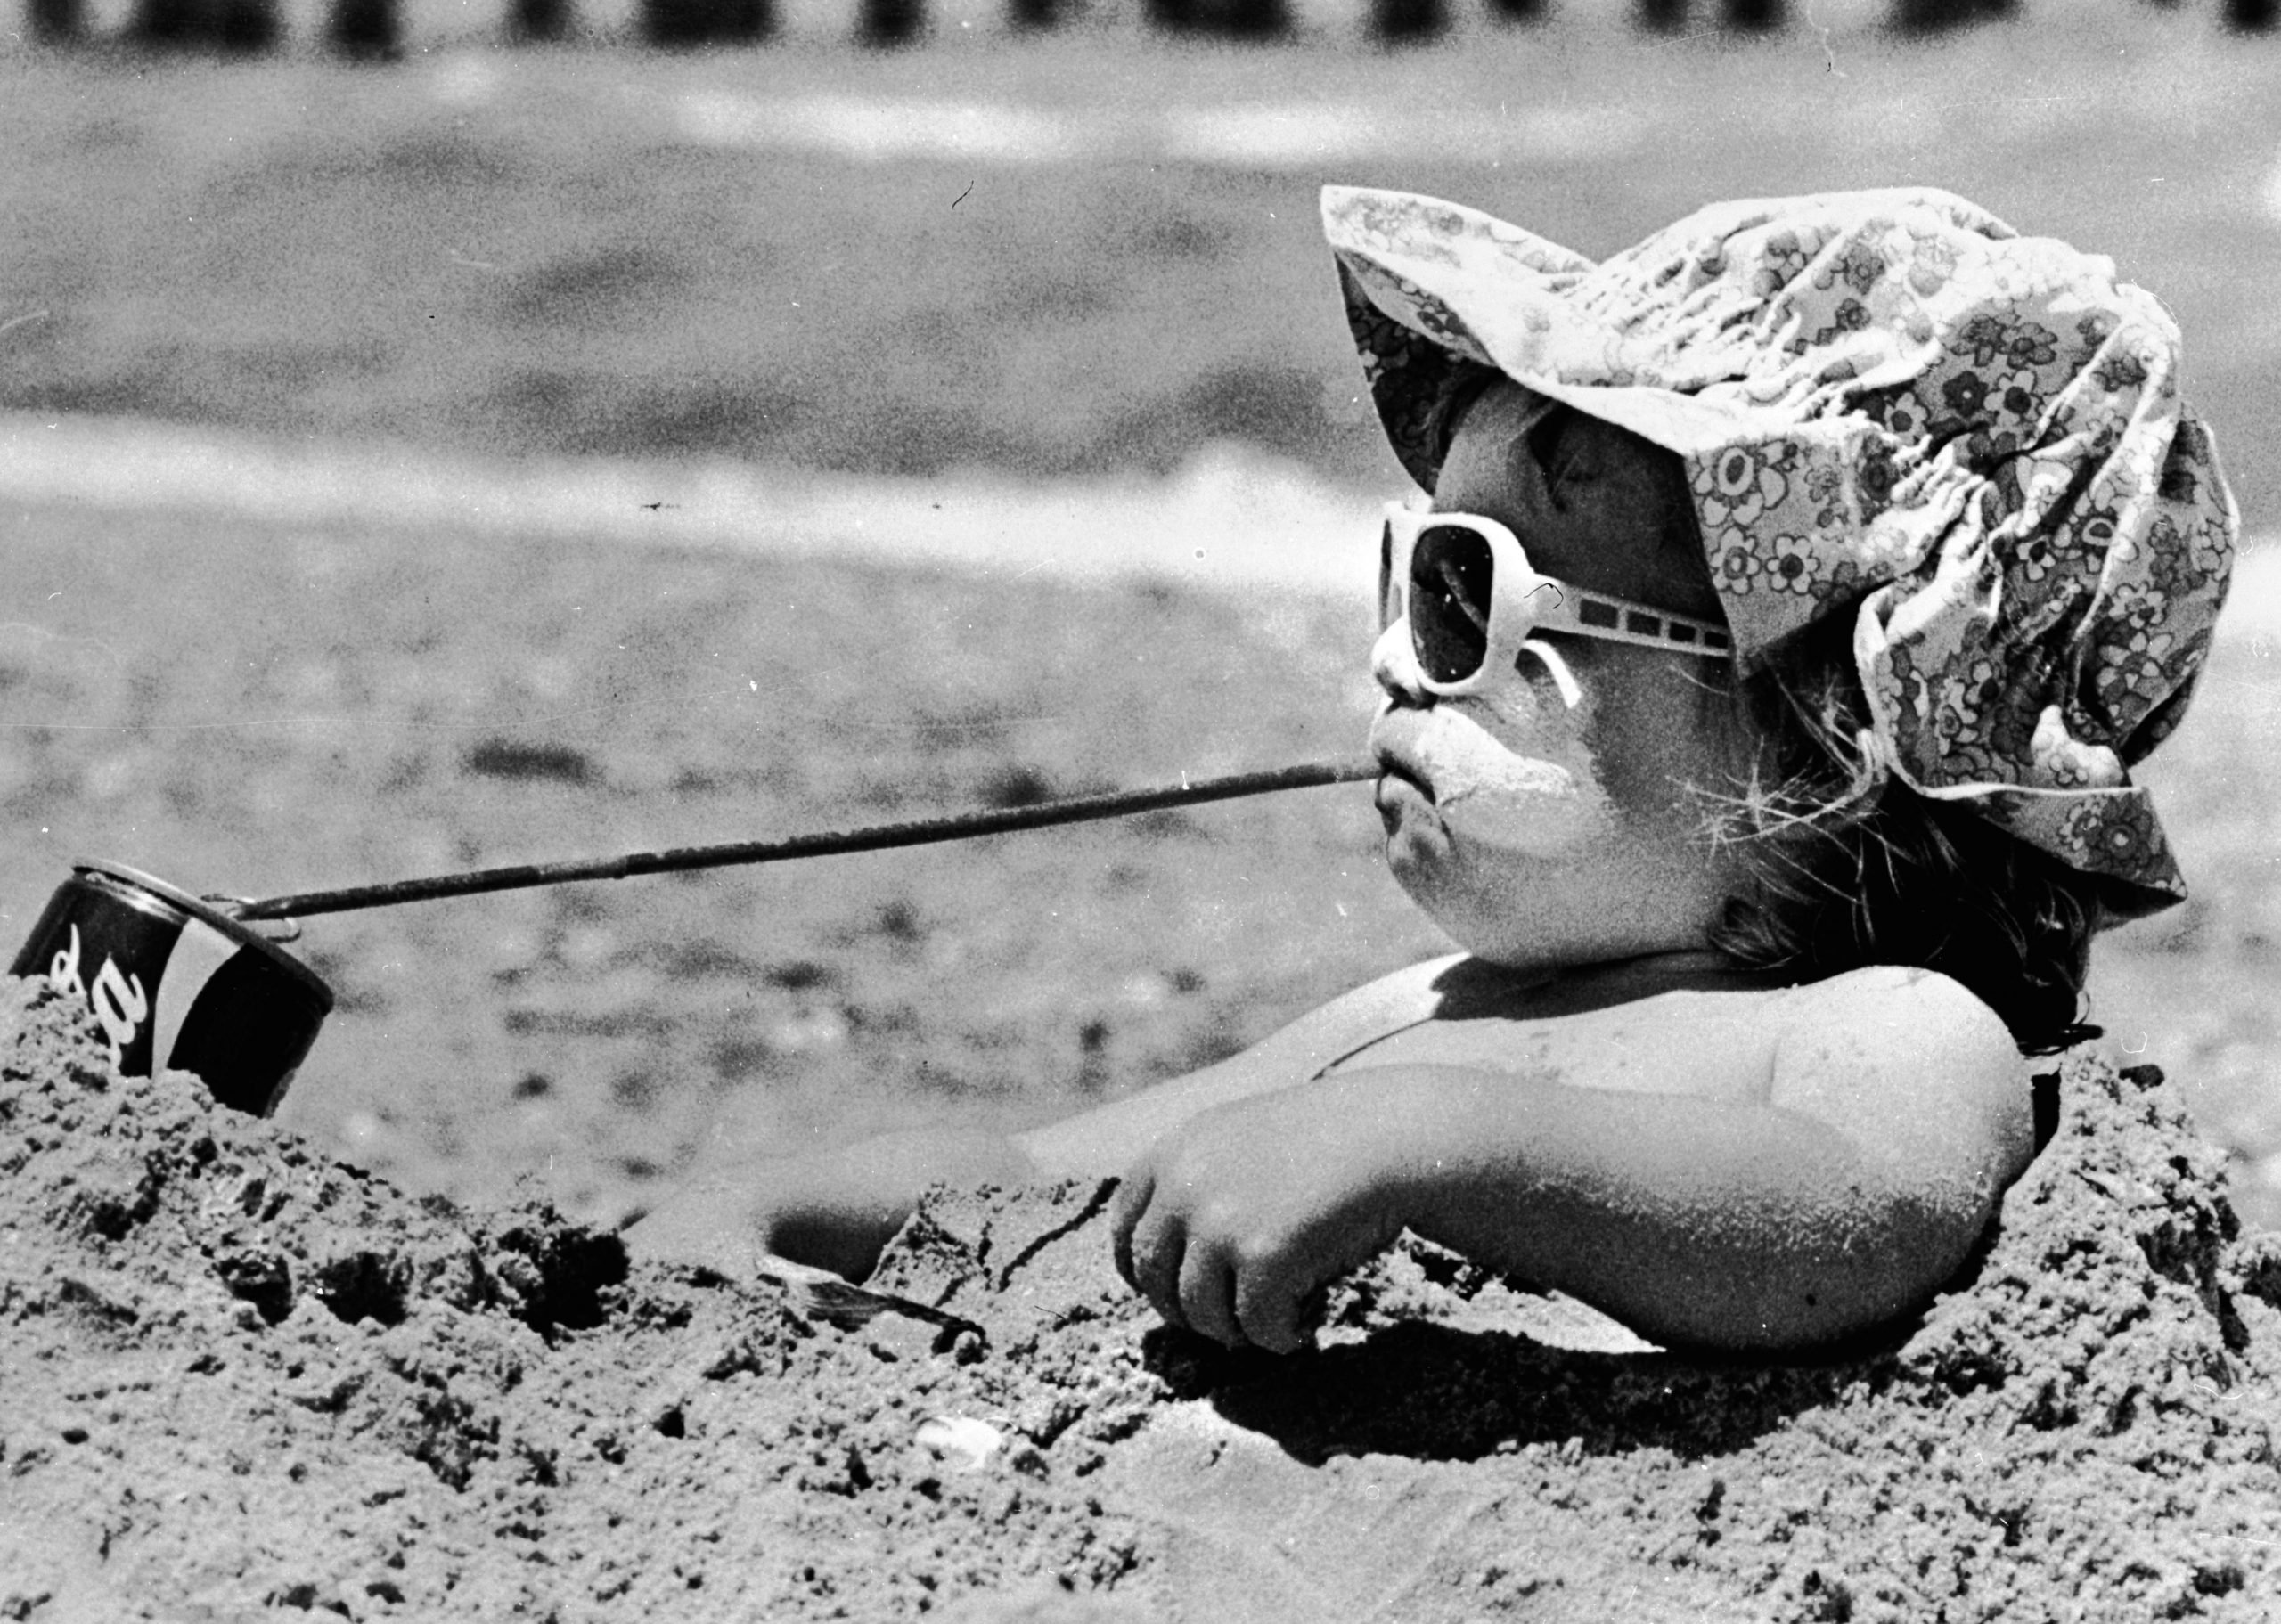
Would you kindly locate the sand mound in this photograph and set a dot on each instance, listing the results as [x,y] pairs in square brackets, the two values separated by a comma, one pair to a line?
[241,1379]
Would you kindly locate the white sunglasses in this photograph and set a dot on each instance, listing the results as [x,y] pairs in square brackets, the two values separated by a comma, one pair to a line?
[1474,604]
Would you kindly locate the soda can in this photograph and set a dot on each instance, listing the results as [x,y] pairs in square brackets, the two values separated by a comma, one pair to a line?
[169,974]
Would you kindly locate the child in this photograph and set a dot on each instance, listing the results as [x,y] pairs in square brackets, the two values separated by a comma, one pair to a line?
[1759,697]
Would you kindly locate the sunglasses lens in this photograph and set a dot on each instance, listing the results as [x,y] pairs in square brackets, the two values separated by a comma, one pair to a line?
[1449,572]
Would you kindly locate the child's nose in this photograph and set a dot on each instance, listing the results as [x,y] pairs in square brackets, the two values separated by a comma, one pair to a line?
[1394,662]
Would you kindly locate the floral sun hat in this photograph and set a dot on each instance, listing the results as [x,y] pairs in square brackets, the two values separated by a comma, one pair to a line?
[1892,406]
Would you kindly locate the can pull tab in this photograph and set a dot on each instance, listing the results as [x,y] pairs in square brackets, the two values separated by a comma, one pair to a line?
[286,929]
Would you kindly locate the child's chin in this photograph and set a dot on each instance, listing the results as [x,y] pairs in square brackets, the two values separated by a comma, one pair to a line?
[1495,902]
[1439,879]
[1486,933]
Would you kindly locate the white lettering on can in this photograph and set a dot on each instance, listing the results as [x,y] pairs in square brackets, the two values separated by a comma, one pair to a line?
[64,969]
[118,998]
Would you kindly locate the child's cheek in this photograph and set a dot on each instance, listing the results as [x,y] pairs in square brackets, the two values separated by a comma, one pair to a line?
[1503,778]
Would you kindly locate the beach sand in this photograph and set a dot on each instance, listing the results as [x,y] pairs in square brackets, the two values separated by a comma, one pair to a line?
[242,1380]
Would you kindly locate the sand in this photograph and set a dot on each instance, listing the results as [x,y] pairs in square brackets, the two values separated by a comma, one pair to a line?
[242,1380]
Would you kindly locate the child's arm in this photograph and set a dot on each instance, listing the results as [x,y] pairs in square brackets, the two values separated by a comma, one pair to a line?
[1104,1141]
[838,1209]
[1895,1112]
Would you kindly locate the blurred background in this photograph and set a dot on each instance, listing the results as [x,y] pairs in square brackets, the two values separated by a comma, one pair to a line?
[447,432]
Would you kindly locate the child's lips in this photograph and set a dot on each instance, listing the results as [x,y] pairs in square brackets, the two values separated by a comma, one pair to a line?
[1405,803]
[1399,769]
[1439,763]
[1391,765]
[1399,781]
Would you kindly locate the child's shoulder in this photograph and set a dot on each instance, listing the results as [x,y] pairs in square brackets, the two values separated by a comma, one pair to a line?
[1883,1007]
[1888,1031]
[1873,999]
[1899,1058]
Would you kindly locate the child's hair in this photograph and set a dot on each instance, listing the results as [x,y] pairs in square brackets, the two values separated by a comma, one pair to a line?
[1845,866]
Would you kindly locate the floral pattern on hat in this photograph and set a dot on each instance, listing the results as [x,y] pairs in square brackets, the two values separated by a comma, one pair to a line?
[1891,406]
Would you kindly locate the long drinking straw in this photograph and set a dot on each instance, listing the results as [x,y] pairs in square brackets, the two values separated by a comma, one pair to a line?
[1075,809]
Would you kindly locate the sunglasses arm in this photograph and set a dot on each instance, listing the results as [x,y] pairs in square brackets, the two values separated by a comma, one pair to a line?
[1572,693]
[1531,601]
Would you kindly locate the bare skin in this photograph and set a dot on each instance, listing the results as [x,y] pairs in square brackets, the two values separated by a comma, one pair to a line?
[1595,1099]
[1750,1169]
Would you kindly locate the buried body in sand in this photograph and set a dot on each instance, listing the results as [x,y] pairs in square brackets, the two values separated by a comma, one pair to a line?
[1760,691]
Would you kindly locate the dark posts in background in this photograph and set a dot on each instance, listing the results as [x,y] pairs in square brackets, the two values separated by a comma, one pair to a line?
[373,29]
[707,22]
[890,22]
[237,26]
[366,29]
[1743,16]
[538,22]
[53,22]
[1228,19]
[1401,22]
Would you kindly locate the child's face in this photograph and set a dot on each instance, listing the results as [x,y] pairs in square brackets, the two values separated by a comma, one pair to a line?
[1535,834]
